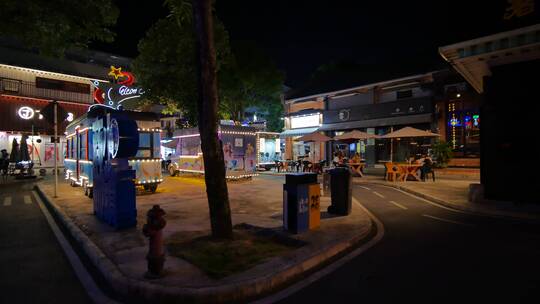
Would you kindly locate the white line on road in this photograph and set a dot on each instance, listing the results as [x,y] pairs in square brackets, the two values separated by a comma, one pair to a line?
[428,201]
[399,205]
[27,200]
[7,201]
[364,187]
[378,194]
[86,280]
[287,292]
[448,221]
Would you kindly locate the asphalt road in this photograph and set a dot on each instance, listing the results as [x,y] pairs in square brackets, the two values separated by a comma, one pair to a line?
[33,267]
[432,254]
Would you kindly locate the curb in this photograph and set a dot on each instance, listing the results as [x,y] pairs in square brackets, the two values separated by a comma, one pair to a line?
[142,291]
[454,206]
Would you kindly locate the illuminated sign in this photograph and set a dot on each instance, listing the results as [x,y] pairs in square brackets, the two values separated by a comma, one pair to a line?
[26,113]
[305,121]
[69,117]
[112,95]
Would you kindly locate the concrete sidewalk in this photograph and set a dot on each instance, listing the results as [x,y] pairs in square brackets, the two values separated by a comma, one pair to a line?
[454,193]
[120,255]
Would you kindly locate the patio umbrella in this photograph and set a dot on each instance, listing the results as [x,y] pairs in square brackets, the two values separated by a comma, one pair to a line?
[406,132]
[409,132]
[25,156]
[14,155]
[355,135]
[314,137]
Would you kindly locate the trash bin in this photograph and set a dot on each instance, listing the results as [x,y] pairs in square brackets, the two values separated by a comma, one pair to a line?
[341,191]
[296,201]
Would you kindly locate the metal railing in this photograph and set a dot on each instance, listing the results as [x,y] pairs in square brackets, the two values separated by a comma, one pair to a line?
[29,89]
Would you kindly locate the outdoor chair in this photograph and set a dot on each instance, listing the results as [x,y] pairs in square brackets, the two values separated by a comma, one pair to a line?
[427,169]
[306,166]
[392,172]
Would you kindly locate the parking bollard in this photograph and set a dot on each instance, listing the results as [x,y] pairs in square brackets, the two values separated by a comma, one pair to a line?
[153,229]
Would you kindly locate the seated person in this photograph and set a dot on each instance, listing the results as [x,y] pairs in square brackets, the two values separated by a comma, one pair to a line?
[355,159]
[336,159]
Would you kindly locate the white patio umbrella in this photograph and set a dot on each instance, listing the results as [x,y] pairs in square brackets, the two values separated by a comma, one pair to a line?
[315,137]
[406,132]
[355,135]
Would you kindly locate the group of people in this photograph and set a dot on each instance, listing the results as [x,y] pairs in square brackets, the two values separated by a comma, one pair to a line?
[427,165]
[339,158]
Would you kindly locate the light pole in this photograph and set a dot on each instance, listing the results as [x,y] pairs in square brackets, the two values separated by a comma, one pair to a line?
[55,148]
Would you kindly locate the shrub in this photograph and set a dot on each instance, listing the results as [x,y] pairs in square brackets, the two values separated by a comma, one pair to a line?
[443,153]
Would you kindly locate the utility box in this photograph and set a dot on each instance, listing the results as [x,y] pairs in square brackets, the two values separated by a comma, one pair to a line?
[341,191]
[296,201]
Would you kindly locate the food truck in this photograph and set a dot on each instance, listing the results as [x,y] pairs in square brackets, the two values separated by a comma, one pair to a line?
[239,150]
[79,151]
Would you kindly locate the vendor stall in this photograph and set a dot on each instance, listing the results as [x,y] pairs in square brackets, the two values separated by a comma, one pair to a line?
[268,148]
[239,149]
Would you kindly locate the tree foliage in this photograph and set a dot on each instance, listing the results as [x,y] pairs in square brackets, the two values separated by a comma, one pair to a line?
[52,26]
[166,67]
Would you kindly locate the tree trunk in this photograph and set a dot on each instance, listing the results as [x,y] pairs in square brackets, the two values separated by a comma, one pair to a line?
[214,165]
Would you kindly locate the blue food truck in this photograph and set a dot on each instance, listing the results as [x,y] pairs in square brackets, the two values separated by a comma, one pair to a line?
[79,151]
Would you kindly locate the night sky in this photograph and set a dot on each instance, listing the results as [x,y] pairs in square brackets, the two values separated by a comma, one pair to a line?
[301,35]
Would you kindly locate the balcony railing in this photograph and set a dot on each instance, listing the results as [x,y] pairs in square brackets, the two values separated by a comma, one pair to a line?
[29,89]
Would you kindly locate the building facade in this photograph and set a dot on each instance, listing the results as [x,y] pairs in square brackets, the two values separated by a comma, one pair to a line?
[439,101]
[29,82]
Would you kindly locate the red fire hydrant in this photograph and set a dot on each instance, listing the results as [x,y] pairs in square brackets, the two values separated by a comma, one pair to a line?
[153,229]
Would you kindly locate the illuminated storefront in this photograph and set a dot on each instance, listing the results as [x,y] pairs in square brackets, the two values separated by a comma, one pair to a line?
[297,126]
[463,127]
[21,115]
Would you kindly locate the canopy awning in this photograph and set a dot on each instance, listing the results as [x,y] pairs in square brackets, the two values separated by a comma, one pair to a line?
[473,59]
[169,143]
[380,122]
[297,132]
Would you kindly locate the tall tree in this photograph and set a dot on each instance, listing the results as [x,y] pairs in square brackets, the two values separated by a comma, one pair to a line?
[250,78]
[53,26]
[214,165]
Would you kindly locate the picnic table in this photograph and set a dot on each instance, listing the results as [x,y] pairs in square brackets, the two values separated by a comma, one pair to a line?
[356,168]
[407,170]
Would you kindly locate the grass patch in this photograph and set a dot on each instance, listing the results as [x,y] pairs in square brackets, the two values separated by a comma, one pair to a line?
[221,258]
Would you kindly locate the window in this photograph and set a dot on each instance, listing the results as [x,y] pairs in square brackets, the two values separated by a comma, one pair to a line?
[404,94]
[145,145]
[82,145]
[60,85]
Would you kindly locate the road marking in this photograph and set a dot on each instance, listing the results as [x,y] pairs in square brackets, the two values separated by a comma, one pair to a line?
[7,201]
[430,202]
[378,194]
[85,278]
[364,187]
[399,205]
[287,292]
[27,200]
[448,221]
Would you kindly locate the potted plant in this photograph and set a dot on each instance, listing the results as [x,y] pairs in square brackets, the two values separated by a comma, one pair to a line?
[442,151]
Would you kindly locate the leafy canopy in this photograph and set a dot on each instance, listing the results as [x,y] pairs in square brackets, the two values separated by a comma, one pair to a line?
[52,26]
[167,68]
